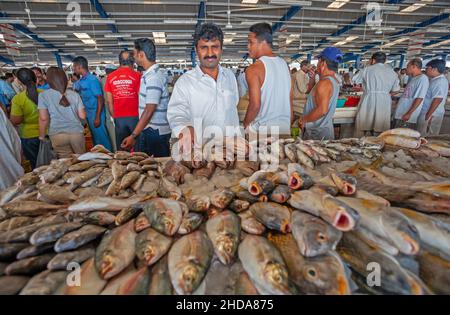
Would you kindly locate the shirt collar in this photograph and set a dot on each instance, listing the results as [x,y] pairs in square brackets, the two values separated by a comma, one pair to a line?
[435,78]
[200,74]
[153,69]
[85,76]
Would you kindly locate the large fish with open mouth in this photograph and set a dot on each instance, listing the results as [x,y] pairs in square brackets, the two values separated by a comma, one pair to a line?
[116,251]
[327,207]
[188,261]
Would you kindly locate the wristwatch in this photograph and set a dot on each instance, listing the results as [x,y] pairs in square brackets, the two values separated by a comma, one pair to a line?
[134,136]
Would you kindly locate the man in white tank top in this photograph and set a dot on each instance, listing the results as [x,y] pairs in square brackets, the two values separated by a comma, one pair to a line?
[269,84]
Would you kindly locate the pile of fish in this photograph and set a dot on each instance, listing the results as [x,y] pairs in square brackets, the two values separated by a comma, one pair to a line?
[330,218]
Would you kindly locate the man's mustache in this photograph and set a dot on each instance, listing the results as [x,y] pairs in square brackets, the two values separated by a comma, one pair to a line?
[210,57]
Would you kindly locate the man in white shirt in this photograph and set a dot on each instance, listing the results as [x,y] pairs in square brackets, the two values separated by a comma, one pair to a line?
[242,83]
[374,109]
[269,84]
[410,104]
[206,96]
[433,109]
[152,131]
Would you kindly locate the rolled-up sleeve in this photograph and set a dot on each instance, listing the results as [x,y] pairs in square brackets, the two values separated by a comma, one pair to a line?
[178,111]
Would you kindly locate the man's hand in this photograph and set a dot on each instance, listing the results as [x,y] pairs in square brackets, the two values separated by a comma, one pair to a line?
[301,123]
[128,143]
[97,122]
[406,117]
[186,139]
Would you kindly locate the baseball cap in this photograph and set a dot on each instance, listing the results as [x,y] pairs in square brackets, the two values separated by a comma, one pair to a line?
[332,54]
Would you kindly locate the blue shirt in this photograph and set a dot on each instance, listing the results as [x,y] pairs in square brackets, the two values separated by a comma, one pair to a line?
[6,92]
[89,88]
[45,86]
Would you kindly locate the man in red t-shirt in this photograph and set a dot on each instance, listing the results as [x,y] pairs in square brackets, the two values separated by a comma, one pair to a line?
[122,92]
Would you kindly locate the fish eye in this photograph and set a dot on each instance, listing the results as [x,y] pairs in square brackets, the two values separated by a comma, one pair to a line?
[312,272]
[321,236]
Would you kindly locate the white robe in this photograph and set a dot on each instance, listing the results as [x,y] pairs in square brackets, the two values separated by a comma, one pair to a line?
[374,109]
[10,157]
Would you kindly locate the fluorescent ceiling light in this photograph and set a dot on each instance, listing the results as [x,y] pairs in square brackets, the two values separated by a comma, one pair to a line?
[436,30]
[327,26]
[89,41]
[413,7]
[290,2]
[11,21]
[48,50]
[160,41]
[227,40]
[82,35]
[159,35]
[117,35]
[397,41]
[250,1]
[179,21]
[52,36]
[383,7]
[337,4]
[439,44]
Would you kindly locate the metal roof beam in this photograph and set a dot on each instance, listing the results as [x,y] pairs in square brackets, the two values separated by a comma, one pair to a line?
[7,60]
[36,38]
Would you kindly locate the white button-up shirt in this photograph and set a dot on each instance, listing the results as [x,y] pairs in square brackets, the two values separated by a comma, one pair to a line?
[197,97]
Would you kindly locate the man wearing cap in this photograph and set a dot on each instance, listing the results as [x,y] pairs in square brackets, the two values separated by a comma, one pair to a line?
[374,109]
[317,119]
[122,94]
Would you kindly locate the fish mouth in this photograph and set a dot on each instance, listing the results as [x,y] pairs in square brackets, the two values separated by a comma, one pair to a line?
[285,227]
[413,244]
[348,189]
[105,268]
[149,255]
[255,189]
[343,221]
[263,198]
[295,181]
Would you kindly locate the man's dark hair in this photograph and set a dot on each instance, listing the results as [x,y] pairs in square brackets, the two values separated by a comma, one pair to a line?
[126,58]
[379,57]
[396,69]
[332,65]
[37,69]
[438,64]
[350,69]
[416,62]
[304,63]
[147,46]
[9,75]
[263,32]
[207,32]
[82,62]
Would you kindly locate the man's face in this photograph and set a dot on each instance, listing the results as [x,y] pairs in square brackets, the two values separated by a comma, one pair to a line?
[209,53]
[305,67]
[253,46]
[10,80]
[77,68]
[139,57]
[431,72]
[39,75]
[409,69]
[320,66]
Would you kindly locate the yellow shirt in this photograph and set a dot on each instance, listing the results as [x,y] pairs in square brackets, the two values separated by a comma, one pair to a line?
[23,106]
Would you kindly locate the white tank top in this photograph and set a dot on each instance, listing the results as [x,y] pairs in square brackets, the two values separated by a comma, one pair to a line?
[275,96]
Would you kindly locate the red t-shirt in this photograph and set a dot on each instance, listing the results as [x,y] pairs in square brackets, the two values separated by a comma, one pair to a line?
[124,84]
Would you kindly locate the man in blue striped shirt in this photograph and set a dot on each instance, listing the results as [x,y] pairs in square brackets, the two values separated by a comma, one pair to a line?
[152,133]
